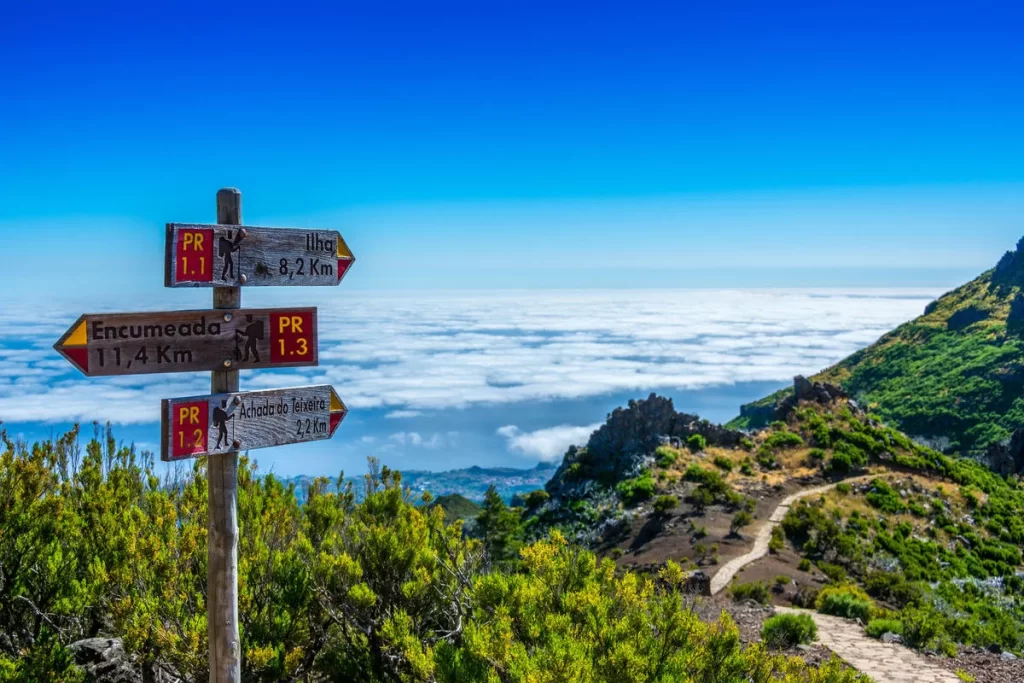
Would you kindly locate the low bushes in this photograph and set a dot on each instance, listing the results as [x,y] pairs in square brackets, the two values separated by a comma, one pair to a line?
[877,627]
[847,601]
[664,504]
[756,591]
[788,630]
[665,456]
[723,463]
[637,490]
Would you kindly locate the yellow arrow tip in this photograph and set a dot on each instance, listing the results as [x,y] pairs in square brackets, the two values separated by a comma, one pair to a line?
[336,403]
[79,337]
[343,250]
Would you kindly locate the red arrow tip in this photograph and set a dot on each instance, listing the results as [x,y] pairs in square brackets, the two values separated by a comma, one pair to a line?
[79,356]
[343,265]
[336,419]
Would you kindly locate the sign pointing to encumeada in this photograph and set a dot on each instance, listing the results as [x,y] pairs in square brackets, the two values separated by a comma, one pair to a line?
[101,344]
[241,256]
[220,423]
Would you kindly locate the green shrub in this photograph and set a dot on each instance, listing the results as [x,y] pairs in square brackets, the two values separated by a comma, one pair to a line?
[700,498]
[805,564]
[777,540]
[805,597]
[723,463]
[844,601]
[534,499]
[665,456]
[756,591]
[784,631]
[740,520]
[696,442]
[747,468]
[817,453]
[782,439]
[843,488]
[664,504]
[782,580]
[636,490]
[746,443]
[876,627]
[845,458]
[884,497]
[834,572]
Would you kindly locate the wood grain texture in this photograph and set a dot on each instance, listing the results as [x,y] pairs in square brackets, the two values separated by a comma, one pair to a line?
[222,497]
[215,424]
[201,255]
[189,341]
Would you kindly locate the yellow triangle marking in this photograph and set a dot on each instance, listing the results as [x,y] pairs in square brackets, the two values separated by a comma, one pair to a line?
[336,403]
[343,250]
[79,337]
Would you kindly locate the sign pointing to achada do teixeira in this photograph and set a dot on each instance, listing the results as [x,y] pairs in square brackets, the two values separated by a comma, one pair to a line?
[101,344]
[221,423]
[241,256]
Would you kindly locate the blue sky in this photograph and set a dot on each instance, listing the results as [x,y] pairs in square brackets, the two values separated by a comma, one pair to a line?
[519,144]
[619,149]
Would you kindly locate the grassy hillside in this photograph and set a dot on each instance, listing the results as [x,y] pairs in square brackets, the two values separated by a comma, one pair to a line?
[926,543]
[954,374]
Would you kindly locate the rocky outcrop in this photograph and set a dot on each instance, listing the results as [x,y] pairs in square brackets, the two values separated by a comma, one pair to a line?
[624,444]
[966,317]
[806,390]
[758,413]
[644,424]
[1015,318]
[1007,456]
[104,661]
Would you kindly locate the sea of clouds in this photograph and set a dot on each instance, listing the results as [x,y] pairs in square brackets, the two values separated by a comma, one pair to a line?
[407,354]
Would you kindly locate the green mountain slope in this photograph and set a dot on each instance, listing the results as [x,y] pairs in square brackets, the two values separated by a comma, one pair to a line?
[955,374]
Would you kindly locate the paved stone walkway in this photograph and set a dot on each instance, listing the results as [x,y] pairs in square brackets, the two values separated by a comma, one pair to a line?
[728,570]
[883,662]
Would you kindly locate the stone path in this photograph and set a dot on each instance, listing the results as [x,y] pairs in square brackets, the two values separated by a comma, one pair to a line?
[728,570]
[883,662]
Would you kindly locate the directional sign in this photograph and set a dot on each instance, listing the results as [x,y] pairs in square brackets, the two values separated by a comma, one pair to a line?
[221,423]
[236,255]
[101,344]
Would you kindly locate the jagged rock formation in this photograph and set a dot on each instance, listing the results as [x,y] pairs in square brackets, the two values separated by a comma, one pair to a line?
[619,448]
[1006,457]
[643,425]
[806,390]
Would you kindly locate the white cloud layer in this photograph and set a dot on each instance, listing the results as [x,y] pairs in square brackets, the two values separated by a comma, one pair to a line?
[547,444]
[413,353]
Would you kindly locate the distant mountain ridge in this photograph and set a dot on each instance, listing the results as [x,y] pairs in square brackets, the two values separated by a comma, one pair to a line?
[953,377]
[471,482]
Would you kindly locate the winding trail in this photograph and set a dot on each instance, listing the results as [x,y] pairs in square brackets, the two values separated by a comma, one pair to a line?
[883,662]
[724,575]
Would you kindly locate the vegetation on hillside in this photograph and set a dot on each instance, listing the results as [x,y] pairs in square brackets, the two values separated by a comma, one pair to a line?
[933,541]
[954,374]
[379,590]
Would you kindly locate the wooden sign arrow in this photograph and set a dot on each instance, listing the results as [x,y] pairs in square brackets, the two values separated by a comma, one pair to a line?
[222,423]
[101,344]
[237,256]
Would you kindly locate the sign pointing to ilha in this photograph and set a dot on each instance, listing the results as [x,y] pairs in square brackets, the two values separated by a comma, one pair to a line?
[222,423]
[199,255]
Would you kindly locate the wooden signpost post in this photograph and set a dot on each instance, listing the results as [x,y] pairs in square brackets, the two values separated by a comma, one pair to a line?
[225,256]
